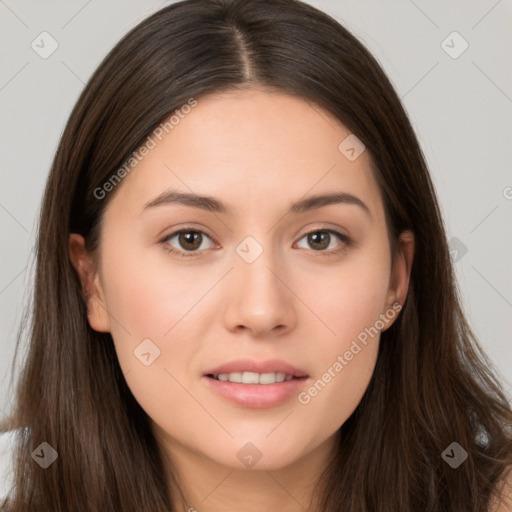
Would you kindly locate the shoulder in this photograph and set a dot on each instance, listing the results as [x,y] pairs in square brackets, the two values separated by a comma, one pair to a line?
[502,500]
[7,444]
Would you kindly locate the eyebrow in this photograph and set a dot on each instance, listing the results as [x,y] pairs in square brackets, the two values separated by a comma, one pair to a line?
[212,204]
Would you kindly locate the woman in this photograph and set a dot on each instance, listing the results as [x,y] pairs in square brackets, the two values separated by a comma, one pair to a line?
[244,297]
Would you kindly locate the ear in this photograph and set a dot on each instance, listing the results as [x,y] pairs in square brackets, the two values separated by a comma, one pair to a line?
[401,272]
[82,261]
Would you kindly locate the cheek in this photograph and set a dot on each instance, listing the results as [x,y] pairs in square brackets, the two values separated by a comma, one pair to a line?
[346,357]
[350,297]
[153,310]
[156,338]
[333,395]
[147,294]
[351,303]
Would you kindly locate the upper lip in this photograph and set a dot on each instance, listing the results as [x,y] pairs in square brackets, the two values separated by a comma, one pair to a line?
[248,365]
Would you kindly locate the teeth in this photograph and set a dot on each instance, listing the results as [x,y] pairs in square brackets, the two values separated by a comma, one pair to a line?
[235,377]
[266,378]
[253,377]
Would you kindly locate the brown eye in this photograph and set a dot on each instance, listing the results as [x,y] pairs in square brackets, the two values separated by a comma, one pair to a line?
[324,241]
[319,240]
[190,240]
[186,242]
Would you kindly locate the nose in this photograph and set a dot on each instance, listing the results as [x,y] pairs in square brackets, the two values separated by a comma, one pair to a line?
[259,300]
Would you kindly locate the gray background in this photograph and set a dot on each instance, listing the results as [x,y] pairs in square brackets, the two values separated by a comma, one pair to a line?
[460,108]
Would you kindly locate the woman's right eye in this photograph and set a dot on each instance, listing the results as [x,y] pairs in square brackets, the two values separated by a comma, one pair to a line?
[190,240]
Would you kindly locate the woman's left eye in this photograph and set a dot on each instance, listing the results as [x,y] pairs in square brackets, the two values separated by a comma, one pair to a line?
[321,239]
[191,242]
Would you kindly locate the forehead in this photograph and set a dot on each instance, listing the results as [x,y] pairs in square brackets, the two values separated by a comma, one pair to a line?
[249,147]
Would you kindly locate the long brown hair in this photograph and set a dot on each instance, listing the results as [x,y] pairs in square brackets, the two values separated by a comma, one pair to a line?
[432,384]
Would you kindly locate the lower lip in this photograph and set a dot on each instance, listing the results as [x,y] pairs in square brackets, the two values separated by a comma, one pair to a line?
[257,396]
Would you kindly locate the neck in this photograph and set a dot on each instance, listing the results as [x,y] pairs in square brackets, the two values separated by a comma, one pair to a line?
[203,485]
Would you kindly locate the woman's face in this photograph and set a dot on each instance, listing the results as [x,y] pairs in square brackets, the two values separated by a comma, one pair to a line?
[257,282]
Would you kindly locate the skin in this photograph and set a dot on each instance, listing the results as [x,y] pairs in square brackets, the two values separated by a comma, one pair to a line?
[248,149]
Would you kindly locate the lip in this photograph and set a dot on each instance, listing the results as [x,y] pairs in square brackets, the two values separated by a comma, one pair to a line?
[256,396]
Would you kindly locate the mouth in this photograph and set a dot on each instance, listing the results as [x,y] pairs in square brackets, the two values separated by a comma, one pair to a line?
[253,377]
[256,385]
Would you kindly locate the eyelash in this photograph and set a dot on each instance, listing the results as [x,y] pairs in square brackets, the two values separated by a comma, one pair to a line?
[187,254]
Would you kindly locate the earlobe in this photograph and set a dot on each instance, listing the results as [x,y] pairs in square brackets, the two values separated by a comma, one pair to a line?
[91,287]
